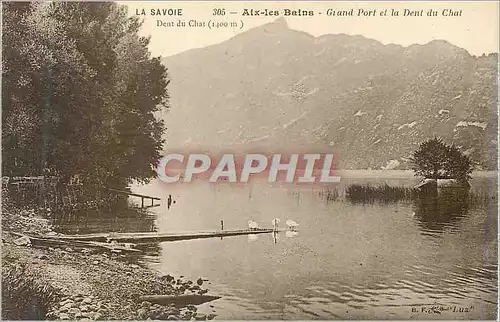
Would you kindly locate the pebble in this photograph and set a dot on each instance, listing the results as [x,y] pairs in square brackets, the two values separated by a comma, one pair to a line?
[74,310]
[63,316]
[97,316]
[142,314]
[68,249]
[87,300]
[95,263]
[65,308]
[200,316]
[63,303]
[84,308]
[172,318]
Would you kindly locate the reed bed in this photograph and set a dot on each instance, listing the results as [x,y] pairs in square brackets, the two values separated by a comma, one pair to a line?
[329,195]
[381,193]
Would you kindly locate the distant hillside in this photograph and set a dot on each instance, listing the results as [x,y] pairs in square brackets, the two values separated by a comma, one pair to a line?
[274,89]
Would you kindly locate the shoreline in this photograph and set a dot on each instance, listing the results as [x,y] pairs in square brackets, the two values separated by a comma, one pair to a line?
[86,284]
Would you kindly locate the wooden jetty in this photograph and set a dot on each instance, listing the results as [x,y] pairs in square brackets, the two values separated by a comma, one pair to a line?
[138,238]
[143,197]
[55,241]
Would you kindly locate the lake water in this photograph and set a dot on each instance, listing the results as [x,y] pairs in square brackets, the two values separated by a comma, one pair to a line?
[426,259]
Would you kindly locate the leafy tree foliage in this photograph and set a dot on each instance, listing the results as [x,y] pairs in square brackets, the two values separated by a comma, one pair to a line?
[80,92]
[435,159]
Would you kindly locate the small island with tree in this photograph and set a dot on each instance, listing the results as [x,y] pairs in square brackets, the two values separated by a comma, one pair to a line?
[435,160]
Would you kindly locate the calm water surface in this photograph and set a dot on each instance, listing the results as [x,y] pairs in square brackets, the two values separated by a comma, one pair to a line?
[349,260]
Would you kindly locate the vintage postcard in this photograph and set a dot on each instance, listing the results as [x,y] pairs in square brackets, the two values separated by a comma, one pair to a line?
[249,160]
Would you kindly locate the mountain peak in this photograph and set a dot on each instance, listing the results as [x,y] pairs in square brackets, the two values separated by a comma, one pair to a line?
[438,47]
[277,25]
[280,22]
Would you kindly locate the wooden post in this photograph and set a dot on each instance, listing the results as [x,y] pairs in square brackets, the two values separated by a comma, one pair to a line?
[152,202]
[142,202]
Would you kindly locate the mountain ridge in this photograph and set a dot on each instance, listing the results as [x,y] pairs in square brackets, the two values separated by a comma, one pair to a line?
[272,88]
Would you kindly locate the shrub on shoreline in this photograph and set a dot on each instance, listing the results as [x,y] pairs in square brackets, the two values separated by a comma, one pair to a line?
[23,296]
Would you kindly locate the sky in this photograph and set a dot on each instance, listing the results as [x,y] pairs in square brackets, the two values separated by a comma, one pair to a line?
[476,29]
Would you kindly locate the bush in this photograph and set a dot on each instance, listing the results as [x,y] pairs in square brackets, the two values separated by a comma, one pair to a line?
[23,296]
[435,159]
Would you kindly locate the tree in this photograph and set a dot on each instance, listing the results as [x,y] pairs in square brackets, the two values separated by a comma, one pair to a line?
[80,92]
[458,165]
[435,159]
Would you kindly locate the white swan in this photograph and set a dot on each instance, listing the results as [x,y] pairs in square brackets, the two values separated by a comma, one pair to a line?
[292,224]
[253,225]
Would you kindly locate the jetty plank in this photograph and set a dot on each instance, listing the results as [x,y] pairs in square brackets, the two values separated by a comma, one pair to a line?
[58,242]
[132,194]
[148,237]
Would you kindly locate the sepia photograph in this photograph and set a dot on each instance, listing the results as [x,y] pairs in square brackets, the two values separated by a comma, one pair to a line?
[249,160]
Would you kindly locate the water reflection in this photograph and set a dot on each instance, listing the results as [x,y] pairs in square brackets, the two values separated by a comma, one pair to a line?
[252,238]
[352,260]
[119,219]
[436,212]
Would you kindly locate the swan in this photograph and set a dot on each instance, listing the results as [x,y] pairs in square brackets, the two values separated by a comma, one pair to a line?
[292,224]
[253,225]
